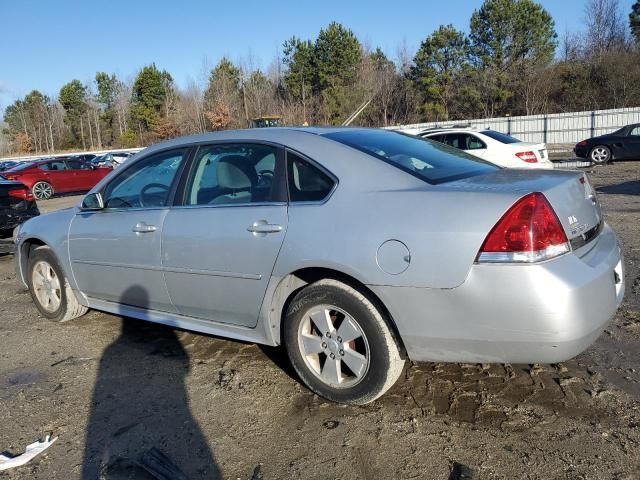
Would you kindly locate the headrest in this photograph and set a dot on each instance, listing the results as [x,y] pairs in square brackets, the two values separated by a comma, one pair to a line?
[234,172]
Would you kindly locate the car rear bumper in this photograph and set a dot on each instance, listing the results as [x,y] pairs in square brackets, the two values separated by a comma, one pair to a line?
[542,313]
[581,151]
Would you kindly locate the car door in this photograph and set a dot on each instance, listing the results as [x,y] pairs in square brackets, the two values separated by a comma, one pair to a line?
[80,175]
[220,245]
[55,173]
[633,142]
[117,250]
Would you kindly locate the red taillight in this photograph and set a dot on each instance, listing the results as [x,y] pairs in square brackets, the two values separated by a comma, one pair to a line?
[582,143]
[528,157]
[22,193]
[529,232]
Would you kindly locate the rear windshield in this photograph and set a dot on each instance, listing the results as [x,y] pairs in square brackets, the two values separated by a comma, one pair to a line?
[430,161]
[501,137]
[22,166]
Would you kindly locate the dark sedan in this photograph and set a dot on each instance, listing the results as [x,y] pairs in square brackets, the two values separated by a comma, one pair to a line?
[16,205]
[623,144]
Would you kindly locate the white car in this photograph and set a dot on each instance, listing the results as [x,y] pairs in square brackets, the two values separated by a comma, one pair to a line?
[495,147]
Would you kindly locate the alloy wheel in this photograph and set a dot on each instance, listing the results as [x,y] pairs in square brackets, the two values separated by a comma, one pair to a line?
[334,346]
[42,191]
[46,286]
[599,155]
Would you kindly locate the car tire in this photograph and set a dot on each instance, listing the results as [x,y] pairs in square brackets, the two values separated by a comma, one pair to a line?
[600,154]
[353,370]
[50,288]
[42,190]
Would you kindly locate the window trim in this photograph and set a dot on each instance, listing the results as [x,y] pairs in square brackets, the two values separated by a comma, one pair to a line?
[317,165]
[180,197]
[188,152]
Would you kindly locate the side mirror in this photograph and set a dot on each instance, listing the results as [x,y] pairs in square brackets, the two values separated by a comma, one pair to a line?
[93,201]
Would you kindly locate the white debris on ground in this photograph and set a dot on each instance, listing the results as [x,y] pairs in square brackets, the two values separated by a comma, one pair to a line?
[32,450]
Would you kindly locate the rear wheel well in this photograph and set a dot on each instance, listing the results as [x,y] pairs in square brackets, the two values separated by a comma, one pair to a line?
[292,283]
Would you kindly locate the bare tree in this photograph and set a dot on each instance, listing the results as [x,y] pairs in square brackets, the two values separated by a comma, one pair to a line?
[606,26]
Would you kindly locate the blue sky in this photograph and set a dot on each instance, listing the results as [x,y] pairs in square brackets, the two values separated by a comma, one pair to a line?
[46,43]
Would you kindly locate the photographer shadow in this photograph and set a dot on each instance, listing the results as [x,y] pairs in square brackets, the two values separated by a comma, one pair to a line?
[140,424]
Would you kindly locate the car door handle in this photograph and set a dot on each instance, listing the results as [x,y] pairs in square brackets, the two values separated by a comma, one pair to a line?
[263,227]
[143,228]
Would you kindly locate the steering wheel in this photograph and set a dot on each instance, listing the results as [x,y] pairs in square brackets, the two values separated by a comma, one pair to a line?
[149,187]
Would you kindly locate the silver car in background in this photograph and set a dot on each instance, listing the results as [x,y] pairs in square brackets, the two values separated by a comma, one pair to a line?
[356,249]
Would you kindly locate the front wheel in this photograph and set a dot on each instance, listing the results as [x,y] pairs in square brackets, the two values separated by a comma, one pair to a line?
[339,343]
[600,154]
[42,191]
[50,289]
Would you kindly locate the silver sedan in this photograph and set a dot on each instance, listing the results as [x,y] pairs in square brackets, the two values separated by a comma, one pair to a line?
[356,249]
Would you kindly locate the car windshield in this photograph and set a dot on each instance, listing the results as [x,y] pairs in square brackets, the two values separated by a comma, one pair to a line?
[430,161]
[500,137]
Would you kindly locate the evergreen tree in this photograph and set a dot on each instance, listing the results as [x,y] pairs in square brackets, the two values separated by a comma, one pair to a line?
[337,55]
[438,66]
[73,98]
[508,37]
[151,89]
[299,60]
[222,96]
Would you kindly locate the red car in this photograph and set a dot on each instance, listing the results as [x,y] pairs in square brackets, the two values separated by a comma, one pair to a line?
[56,175]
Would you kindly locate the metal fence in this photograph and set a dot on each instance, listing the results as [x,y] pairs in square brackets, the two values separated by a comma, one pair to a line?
[568,128]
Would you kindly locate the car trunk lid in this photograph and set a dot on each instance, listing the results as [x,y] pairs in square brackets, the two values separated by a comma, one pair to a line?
[570,194]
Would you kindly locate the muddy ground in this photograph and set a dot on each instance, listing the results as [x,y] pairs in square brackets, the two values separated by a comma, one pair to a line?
[224,409]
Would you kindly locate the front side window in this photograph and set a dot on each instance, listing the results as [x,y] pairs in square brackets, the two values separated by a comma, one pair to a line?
[430,161]
[232,174]
[146,184]
[635,132]
[307,183]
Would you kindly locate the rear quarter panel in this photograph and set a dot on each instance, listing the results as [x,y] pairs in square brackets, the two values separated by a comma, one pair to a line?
[441,231]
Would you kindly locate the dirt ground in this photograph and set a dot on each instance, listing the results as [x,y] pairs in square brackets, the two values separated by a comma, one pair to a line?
[225,409]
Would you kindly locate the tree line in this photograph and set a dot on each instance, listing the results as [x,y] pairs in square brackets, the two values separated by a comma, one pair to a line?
[510,61]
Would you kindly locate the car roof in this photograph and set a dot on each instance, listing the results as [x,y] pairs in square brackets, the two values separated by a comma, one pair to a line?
[281,135]
[451,130]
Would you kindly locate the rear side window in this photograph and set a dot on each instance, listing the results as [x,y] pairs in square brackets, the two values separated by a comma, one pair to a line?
[77,165]
[307,183]
[501,137]
[234,174]
[437,138]
[430,161]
